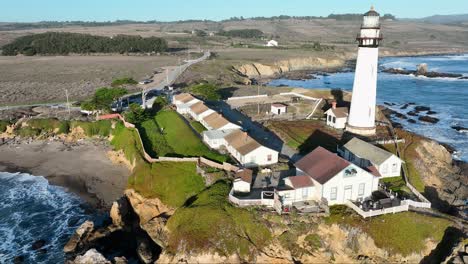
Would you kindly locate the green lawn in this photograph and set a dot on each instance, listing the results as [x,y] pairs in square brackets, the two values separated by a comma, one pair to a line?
[172,182]
[403,233]
[154,141]
[182,139]
[396,184]
[198,126]
[212,224]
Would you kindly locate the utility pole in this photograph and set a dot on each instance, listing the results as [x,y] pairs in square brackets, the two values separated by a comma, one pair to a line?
[258,103]
[68,102]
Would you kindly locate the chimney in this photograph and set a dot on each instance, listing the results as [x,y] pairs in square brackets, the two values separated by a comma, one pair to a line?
[334,104]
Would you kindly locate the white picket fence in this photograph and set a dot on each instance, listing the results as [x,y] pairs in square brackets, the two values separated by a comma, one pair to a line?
[403,207]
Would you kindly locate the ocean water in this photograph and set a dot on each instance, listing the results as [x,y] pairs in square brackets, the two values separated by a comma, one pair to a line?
[448,97]
[31,209]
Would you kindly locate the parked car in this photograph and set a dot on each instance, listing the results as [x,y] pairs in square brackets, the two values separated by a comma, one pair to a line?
[146,81]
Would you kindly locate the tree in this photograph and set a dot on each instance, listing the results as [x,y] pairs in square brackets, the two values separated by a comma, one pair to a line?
[200,33]
[136,114]
[159,103]
[103,98]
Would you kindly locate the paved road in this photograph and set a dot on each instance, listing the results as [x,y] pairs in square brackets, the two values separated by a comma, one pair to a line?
[172,74]
[256,130]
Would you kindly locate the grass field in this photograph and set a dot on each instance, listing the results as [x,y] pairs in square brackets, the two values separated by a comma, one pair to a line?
[198,126]
[306,135]
[402,233]
[172,182]
[212,224]
[177,138]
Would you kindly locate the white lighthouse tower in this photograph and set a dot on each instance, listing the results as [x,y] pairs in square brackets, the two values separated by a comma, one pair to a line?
[362,113]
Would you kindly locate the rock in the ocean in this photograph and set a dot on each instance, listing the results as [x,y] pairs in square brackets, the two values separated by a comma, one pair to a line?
[428,119]
[412,121]
[412,113]
[404,106]
[120,260]
[421,108]
[80,234]
[400,115]
[18,260]
[91,256]
[460,128]
[422,69]
[144,251]
[430,112]
[38,244]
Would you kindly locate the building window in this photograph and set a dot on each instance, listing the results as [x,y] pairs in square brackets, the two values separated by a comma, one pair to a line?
[334,120]
[269,157]
[362,187]
[329,118]
[384,168]
[394,168]
[333,192]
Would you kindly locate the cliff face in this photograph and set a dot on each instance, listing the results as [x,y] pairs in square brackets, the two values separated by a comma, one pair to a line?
[293,64]
[446,183]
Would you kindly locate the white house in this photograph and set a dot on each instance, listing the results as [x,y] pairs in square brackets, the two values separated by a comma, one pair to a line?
[215,138]
[183,102]
[249,152]
[278,109]
[272,43]
[199,110]
[337,117]
[296,189]
[336,179]
[365,154]
[215,121]
[242,181]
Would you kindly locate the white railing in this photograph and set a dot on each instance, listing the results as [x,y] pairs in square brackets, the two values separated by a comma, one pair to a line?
[247,97]
[391,210]
[249,202]
[417,204]
[301,95]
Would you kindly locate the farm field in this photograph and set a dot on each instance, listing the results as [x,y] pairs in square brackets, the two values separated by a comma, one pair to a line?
[41,79]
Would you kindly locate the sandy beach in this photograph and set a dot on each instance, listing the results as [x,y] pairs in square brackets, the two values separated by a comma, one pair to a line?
[83,168]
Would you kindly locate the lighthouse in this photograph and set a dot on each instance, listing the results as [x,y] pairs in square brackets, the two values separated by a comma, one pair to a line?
[362,113]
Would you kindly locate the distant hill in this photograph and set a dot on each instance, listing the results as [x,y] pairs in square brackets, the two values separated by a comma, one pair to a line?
[444,19]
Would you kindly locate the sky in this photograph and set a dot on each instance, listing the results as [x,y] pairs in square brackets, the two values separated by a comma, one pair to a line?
[171,10]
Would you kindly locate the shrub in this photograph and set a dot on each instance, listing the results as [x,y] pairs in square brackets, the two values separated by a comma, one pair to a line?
[103,98]
[242,33]
[3,125]
[99,128]
[207,91]
[27,131]
[122,81]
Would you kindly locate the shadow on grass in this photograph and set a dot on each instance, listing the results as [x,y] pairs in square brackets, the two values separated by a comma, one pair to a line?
[451,237]
[319,138]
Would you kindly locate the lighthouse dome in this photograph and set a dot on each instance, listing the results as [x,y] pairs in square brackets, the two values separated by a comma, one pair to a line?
[372,12]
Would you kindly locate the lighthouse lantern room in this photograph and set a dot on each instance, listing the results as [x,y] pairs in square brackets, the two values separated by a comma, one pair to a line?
[362,113]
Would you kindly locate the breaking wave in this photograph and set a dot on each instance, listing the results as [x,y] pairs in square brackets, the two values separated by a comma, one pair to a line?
[31,210]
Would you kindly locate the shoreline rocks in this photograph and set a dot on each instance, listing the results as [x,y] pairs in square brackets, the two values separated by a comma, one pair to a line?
[424,73]
[428,119]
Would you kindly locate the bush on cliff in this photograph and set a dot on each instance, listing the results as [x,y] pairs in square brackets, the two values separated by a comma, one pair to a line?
[3,125]
[99,128]
[35,127]
[212,224]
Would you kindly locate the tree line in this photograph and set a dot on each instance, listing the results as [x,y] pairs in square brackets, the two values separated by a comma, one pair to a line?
[62,43]
[242,33]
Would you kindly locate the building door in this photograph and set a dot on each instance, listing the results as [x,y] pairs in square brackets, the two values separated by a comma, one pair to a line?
[279,111]
[348,192]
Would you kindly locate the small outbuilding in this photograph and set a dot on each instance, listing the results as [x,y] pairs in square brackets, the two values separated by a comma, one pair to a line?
[272,43]
[242,181]
[278,109]
[337,117]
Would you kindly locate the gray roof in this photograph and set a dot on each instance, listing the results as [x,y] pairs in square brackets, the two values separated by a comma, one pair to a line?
[218,134]
[367,151]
